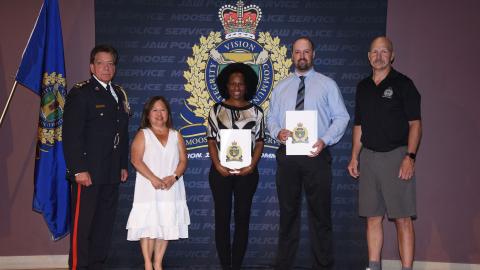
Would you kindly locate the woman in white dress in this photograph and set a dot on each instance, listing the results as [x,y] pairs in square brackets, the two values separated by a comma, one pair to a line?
[159,212]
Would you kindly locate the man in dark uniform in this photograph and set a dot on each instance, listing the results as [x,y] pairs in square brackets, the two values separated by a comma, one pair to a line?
[387,131]
[95,139]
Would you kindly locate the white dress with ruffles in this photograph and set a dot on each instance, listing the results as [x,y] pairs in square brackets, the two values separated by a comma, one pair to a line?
[156,213]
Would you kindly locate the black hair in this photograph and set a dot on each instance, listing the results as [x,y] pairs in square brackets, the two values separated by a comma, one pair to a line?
[251,79]
[144,122]
[104,48]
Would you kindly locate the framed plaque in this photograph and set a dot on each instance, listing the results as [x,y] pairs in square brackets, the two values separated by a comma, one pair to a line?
[235,148]
[303,125]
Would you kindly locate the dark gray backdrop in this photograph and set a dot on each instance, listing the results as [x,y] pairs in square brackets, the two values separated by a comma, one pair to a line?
[155,37]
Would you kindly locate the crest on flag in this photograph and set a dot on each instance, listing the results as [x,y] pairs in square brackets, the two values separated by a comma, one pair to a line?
[51,108]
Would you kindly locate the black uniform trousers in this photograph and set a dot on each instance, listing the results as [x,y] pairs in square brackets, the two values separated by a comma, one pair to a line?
[93,215]
[242,188]
[315,176]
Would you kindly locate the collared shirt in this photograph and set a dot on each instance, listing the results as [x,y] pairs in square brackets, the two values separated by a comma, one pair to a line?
[321,94]
[384,110]
[105,86]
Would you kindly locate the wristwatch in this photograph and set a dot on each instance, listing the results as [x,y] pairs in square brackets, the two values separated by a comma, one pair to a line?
[176,177]
[411,155]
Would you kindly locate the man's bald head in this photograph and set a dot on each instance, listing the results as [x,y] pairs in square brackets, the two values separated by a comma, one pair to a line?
[381,54]
[382,39]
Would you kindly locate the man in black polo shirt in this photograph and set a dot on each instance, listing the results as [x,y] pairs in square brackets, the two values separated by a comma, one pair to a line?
[387,131]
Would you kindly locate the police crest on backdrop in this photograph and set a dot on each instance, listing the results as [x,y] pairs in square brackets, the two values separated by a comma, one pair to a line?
[265,55]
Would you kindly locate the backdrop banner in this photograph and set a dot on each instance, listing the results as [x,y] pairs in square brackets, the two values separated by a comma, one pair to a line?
[175,48]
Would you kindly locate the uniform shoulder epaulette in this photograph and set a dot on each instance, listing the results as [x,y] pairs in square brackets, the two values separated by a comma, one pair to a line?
[80,84]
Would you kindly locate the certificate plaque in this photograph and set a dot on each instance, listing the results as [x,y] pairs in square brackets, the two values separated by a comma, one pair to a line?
[303,125]
[235,148]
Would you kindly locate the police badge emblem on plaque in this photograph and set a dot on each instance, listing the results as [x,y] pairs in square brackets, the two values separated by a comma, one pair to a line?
[235,148]
[303,127]
[300,134]
[234,152]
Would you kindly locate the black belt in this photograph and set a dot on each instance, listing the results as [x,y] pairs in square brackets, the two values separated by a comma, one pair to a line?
[383,151]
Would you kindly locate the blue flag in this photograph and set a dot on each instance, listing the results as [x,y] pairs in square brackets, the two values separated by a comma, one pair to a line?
[42,70]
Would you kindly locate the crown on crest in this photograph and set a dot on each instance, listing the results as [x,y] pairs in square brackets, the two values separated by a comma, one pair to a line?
[240,21]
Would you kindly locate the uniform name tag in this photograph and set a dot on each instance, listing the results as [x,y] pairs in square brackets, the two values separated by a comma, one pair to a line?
[99,106]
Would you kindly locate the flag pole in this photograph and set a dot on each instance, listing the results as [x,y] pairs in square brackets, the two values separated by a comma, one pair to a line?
[15,83]
[8,102]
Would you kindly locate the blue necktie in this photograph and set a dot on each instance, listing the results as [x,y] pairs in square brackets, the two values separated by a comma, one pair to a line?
[300,94]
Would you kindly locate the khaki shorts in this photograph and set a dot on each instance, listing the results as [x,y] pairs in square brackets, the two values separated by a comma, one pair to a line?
[381,191]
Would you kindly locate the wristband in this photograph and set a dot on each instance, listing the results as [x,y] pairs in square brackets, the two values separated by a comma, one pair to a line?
[411,155]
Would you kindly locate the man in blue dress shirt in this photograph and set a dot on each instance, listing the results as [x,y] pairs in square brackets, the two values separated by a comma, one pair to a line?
[306,89]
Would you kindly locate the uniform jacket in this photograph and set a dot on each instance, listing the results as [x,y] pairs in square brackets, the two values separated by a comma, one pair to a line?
[95,132]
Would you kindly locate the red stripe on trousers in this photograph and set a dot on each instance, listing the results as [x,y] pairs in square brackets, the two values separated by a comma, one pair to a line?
[75,229]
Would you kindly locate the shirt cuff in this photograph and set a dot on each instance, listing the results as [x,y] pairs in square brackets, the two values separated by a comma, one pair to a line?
[325,140]
[274,134]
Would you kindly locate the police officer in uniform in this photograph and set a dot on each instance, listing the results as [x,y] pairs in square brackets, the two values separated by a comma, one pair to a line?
[95,139]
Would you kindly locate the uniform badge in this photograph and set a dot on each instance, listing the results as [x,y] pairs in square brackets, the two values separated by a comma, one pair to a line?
[388,93]
[234,152]
[300,134]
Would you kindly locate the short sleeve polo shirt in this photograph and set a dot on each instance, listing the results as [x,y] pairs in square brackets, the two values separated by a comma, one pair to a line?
[383,111]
